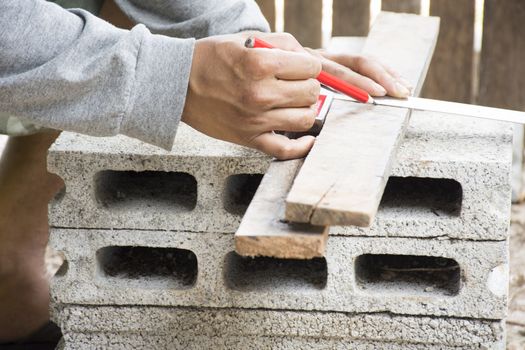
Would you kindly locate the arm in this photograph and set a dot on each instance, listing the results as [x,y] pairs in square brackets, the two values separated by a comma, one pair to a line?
[195,18]
[69,70]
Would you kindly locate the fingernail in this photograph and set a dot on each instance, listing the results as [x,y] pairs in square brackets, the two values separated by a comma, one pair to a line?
[401,90]
[379,90]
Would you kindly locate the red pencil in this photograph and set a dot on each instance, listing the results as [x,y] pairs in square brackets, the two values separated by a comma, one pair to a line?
[323,77]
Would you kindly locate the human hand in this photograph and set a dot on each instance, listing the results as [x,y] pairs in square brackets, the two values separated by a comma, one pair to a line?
[243,95]
[365,72]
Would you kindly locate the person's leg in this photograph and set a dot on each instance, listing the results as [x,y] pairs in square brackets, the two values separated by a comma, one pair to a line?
[25,190]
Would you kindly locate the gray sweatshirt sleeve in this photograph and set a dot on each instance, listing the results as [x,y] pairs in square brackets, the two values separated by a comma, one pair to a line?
[195,18]
[69,70]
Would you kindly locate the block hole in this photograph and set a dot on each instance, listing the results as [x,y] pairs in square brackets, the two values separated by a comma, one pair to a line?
[56,262]
[156,191]
[270,274]
[385,273]
[148,267]
[62,270]
[60,194]
[427,196]
[239,191]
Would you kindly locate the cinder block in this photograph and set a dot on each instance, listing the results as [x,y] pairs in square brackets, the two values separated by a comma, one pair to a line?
[102,177]
[410,276]
[138,327]
[461,188]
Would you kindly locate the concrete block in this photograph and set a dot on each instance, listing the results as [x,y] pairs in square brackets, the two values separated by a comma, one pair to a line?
[410,276]
[107,187]
[143,327]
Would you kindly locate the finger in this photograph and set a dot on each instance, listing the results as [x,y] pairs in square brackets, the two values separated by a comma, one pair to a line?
[259,63]
[354,78]
[399,78]
[381,75]
[283,41]
[376,71]
[289,65]
[281,147]
[290,119]
[293,93]
[273,93]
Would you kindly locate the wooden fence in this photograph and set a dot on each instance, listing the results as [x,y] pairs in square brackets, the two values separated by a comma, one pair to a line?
[497,79]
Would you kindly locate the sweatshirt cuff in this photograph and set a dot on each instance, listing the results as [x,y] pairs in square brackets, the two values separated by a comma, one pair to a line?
[159,92]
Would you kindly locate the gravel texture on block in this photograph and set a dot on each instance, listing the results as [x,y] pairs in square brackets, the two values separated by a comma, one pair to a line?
[411,276]
[204,185]
[137,327]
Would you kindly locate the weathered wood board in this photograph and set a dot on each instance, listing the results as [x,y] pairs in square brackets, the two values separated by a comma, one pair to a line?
[408,6]
[262,232]
[454,55]
[268,9]
[307,32]
[350,17]
[344,176]
[502,70]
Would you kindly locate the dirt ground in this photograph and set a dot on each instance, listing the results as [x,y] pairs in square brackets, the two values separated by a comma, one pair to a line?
[516,318]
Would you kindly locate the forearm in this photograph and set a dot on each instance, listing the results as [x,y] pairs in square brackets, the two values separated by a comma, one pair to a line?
[73,71]
[196,18]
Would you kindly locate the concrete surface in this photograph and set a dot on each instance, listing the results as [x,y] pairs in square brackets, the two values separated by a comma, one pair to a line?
[136,327]
[220,278]
[436,146]
[516,319]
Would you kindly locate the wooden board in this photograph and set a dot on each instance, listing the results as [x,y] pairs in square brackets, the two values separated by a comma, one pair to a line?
[268,9]
[502,72]
[408,6]
[303,19]
[262,232]
[343,177]
[450,74]
[350,17]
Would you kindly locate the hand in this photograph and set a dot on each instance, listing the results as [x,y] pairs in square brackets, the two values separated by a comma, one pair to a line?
[243,95]
[367,73]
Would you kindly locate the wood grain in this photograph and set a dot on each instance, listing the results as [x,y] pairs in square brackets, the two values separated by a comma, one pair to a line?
[262,232]
[450,74]
[502,82]
[407,6]
[343,177]
[303,19]
[350,17]
[268,9]
[502,72]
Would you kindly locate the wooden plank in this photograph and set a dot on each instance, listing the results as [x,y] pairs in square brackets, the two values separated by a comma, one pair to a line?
[261,231]
[450,74]
[343,177]
[350,17]
[351,45]
[268,9]
[303,19]
[407,6]
[502,71]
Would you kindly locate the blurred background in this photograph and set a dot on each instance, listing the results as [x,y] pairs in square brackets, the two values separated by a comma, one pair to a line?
[479,57]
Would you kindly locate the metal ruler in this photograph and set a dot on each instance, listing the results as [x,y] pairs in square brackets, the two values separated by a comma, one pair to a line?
[462,109]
